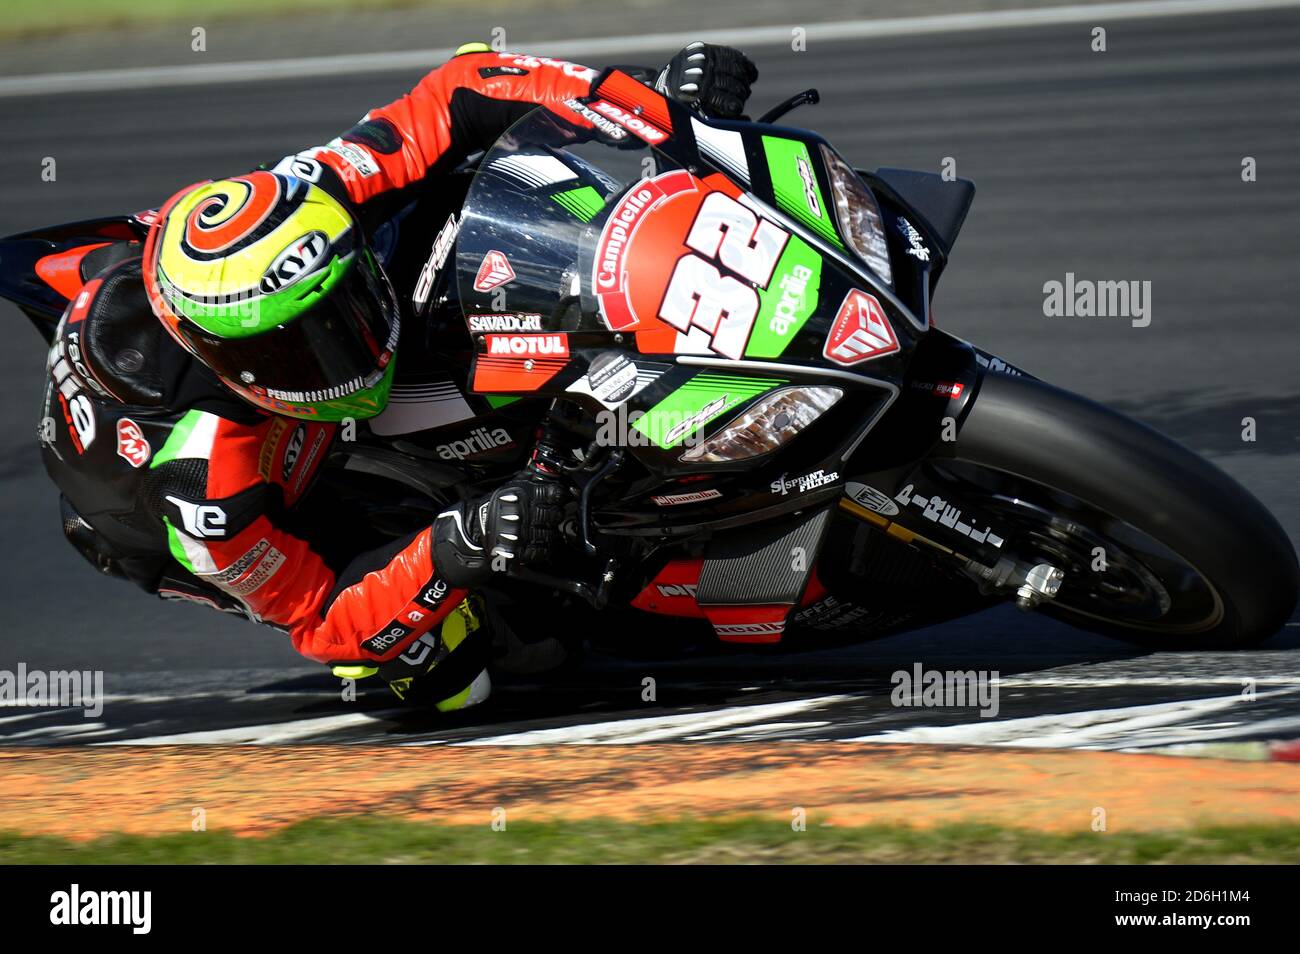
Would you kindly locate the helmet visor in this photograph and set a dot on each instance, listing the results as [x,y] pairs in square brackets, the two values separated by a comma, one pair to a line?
[338,346]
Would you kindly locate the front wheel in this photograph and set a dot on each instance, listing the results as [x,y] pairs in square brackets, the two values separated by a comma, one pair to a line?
[1159,546]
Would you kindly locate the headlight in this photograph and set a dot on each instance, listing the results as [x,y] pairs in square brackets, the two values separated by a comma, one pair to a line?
[765,426]
[858,215]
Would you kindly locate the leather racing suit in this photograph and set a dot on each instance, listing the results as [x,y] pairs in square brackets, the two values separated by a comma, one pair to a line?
[208,485]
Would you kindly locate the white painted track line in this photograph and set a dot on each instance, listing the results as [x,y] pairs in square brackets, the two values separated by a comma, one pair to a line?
[200,74]
[1122,727]
[277,733]
[657,728]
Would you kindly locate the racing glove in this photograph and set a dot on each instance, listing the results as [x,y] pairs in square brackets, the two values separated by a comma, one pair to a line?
[716,79]
[517,521]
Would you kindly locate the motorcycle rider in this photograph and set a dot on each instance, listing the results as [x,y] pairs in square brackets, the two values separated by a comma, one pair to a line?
[288,325]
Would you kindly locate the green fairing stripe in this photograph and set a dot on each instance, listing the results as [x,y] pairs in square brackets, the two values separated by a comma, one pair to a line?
[176,439]
[788,301]
[501,400]
[715,392]
[582,203]
[783,157]
[176,547]
[252,316]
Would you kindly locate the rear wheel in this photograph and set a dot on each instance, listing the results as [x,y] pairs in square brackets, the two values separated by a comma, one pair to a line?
[1159,547]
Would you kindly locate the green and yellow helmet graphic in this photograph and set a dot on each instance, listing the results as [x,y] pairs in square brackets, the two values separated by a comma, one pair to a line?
[267,279]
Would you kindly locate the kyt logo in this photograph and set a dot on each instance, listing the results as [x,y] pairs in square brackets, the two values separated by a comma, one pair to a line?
[301,258]
[291,451]
[861,331]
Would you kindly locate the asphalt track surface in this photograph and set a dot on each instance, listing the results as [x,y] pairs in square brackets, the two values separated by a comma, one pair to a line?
[1122,165]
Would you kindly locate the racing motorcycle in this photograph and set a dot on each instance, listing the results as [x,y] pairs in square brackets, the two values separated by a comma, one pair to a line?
[719,335]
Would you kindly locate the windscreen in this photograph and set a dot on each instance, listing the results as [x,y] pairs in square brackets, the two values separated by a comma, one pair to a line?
[532,219]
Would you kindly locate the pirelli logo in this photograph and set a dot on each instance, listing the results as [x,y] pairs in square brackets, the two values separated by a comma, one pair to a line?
[269,446]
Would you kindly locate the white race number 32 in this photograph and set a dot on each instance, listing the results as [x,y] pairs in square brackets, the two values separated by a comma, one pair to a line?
[700,296]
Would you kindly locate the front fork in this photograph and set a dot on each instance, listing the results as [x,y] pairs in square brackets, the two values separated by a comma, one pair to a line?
[899,497]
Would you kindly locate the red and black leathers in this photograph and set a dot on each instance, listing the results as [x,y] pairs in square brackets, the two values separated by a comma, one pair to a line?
[211,484]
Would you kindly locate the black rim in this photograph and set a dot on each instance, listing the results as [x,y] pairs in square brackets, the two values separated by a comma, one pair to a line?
[1114,572]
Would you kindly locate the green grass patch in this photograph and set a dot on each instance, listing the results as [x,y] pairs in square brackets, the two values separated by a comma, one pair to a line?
[749,840]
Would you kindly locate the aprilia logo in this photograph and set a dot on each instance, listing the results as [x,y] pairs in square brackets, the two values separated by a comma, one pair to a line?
[494,271]
[479,440]
[861,331]
[78,412]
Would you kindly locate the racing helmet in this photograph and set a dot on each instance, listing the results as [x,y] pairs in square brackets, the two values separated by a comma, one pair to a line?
[268,281]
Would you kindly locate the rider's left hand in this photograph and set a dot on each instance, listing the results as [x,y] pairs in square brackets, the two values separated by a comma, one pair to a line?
[714,78]
[516,523]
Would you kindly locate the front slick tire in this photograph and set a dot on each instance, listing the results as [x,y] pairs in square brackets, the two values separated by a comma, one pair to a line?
[1035,437]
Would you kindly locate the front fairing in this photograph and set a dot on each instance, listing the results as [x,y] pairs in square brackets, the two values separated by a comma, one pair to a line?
[623,239]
